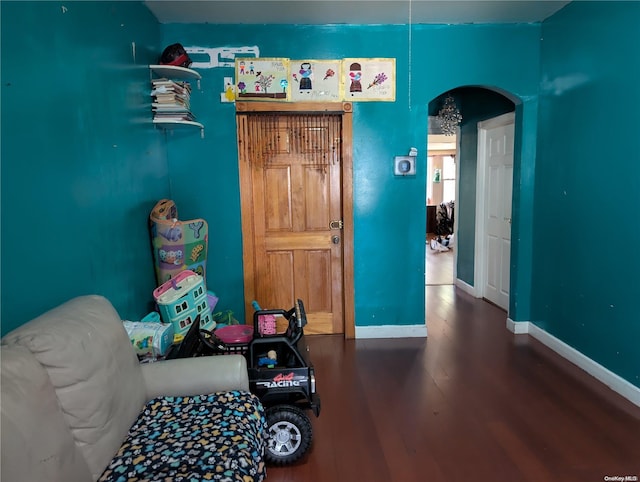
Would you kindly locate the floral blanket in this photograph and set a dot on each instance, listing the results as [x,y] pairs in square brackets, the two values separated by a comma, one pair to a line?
[219,437]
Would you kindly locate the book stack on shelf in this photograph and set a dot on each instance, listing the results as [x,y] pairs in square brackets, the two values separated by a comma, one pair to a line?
[171,100]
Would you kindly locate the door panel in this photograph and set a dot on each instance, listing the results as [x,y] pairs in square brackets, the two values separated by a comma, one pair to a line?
[280,272]
[499,187]
[317,214]
[295,177]
[492,266]
[277,201]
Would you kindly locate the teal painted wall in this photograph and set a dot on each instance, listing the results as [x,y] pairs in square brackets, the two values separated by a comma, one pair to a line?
[81,164]
[389,212]
[466,202]
[586,234]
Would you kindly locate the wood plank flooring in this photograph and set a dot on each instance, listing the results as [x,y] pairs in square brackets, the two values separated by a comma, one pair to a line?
[439,265]
[472,402]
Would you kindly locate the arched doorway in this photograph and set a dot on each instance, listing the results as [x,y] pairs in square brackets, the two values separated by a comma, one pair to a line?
[476,105]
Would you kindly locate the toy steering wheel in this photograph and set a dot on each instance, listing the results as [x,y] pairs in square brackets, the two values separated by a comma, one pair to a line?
[211,341]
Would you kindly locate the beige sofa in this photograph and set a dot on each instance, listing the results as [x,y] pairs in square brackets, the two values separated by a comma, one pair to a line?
[72,387]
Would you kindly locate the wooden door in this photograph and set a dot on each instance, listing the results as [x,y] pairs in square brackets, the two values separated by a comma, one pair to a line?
[291,176]
[498,194]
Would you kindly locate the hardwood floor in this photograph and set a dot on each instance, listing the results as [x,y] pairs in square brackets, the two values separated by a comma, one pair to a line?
[439,265]
[472,402]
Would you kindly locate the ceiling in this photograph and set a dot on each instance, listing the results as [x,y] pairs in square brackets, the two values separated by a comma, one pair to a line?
[357,12]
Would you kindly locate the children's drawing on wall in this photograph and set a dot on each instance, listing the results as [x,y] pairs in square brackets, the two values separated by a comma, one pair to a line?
[262,79]
[315,80]
[305,76]
[370,79]
[355,74]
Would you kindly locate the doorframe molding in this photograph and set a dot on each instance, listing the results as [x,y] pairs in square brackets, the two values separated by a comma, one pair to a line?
[480,262]
[456,208]
[248,248]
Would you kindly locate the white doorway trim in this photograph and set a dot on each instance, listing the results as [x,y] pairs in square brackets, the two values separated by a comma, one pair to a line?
[455,153]
[456,209]
[480,261]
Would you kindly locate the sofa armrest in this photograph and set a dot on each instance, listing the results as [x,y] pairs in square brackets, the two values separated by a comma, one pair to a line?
[195,376]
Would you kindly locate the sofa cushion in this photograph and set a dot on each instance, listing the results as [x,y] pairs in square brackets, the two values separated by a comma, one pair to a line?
[98,381]
[36,442]
[205,437]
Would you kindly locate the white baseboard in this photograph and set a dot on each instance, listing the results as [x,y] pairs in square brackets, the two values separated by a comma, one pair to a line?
[466,287]
[391,331]
[518,327]
[600,373]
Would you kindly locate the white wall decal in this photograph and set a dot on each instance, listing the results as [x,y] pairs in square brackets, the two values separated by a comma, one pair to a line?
[219,56]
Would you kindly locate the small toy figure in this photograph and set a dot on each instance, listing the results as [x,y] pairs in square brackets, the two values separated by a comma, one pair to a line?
[270,361]
[229,94]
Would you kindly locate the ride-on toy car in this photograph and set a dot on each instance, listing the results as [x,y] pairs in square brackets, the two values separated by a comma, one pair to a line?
[280,375]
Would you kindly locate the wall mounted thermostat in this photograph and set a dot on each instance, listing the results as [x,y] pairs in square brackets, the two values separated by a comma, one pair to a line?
[404,166]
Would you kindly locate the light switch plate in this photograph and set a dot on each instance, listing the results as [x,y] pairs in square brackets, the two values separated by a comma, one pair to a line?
[404,166]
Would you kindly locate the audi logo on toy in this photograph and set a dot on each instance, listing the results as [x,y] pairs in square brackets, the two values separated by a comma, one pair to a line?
[281,380]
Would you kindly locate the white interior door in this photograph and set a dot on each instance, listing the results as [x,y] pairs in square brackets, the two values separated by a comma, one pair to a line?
[496,150]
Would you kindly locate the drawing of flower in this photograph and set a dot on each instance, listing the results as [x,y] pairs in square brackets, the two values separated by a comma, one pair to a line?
[329,73]
[378,79]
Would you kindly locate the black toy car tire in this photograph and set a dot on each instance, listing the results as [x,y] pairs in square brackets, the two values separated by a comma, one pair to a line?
[290,434]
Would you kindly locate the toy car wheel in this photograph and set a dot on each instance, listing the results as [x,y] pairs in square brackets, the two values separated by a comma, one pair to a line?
[290,434]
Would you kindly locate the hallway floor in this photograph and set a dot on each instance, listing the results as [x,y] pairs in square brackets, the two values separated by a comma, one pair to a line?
[439,265]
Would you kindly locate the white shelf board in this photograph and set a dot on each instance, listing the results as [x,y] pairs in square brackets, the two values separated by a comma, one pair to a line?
[175,72]
[173,124]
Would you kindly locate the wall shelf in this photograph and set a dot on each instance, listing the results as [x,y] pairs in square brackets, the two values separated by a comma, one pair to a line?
[183,124]
[176,72]
[178,75]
